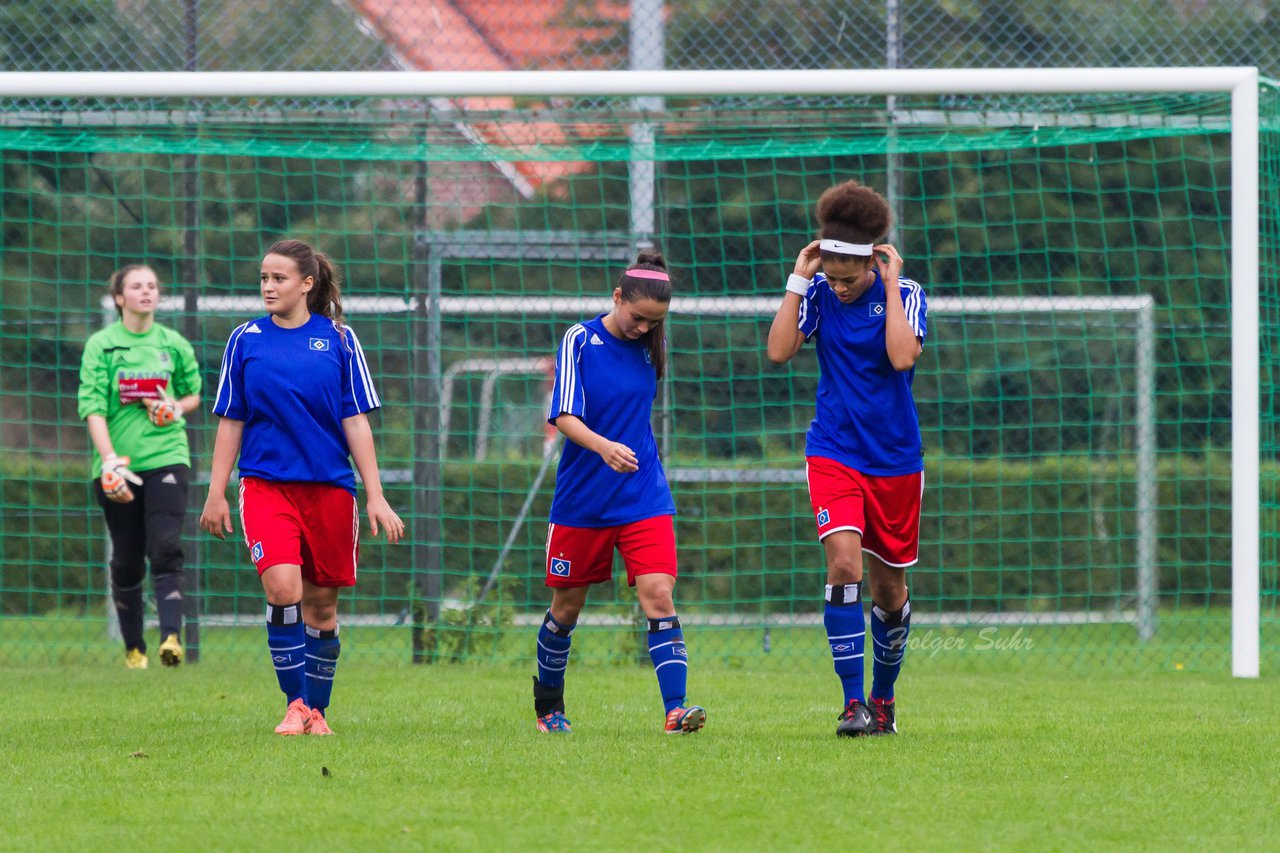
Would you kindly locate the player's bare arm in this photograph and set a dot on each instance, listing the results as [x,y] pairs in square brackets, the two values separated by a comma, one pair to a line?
[360,442]
[216,516]
[617,456]
[785,337]
[900,341]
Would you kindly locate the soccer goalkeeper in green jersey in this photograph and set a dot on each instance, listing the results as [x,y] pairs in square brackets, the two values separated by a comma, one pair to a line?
[137,381]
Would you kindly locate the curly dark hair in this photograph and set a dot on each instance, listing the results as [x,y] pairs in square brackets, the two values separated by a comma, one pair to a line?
[853,213]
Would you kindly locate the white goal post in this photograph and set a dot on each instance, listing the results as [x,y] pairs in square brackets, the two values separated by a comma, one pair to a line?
[763,308]
[1240,83]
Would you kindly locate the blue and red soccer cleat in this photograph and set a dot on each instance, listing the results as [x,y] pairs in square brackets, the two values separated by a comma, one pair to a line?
[855,720]
[554,723]
[882,717]
[685,721]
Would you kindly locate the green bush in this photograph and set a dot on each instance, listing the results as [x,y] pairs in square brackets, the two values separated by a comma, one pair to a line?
[1054,533]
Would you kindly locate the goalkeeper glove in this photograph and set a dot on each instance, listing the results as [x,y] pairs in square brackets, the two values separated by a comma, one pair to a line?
[162,411]
[116,478]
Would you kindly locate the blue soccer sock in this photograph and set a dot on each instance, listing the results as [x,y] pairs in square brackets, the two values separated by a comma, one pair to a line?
[322,648]
[846,633]
[554,640]
[889,643]
[670,660]
[287,640]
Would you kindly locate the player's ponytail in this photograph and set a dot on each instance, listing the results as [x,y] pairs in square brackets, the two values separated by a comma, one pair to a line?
[325,296]
[657,287]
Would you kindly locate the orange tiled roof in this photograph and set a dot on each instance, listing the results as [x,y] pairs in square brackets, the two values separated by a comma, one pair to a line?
[493,35]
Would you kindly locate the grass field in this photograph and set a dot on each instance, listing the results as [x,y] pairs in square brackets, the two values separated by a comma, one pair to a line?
[447,758]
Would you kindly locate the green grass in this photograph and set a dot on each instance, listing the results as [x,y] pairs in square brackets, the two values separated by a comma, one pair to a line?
[1192,640]
[447,758]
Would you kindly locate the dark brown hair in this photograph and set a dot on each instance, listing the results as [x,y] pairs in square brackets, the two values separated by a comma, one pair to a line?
[325,296]
[852,213]
[115,284]
[635,289]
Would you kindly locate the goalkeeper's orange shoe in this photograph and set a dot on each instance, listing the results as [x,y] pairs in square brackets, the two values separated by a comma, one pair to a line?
[295,719]
[317,724]
[685,721]
[135,659]
[171,653]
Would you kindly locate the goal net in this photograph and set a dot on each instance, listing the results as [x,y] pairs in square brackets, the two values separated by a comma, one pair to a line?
[1075,393]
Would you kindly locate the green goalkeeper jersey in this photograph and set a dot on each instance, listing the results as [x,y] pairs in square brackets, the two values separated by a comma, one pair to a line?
[118,371]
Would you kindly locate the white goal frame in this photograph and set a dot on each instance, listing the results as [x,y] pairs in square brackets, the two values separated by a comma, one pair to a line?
[1240,83]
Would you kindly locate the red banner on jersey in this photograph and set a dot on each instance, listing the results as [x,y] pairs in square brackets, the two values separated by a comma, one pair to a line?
[135,388]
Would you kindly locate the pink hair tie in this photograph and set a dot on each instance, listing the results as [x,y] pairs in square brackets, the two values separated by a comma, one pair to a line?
[653,274]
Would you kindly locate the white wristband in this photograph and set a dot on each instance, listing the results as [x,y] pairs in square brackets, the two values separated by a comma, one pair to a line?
[798,284]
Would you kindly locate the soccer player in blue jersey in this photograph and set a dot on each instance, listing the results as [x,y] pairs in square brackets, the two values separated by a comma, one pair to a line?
[292,397]
[863,452]
[611,491]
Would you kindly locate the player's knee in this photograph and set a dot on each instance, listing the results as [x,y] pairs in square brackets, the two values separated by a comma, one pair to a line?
[123,592]
[844,568]
[566,612]
[166,558]
[167,583]
[320,607]
[281,587]
[323,616]
[127,570]
[888,593]
[662,603]
[656,603]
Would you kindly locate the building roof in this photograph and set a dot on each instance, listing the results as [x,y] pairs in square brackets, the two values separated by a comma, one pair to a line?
[497,35]
[493,35]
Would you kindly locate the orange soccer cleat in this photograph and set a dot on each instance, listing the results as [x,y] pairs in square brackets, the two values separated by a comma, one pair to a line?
[317,724]
[295,719]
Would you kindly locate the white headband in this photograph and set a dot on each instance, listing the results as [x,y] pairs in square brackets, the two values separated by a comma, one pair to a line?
[863,249]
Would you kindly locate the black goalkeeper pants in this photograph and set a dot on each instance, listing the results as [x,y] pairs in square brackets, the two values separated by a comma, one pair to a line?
[148,530]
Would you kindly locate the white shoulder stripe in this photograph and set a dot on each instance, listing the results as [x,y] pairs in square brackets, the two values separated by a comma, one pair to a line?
[913,302]
[225,381]
[568,377]
[358,362]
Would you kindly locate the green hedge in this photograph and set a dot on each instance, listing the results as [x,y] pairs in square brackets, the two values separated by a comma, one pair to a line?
[1049,534]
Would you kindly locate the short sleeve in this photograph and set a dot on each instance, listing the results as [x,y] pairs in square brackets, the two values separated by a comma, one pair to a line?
[568,397]
[809,308]
[358,393]
[92,396]
[917,308]
[186,378]
[230,400]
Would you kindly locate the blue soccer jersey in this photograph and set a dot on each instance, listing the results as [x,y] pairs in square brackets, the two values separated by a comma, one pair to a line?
[293,388]
[865,417]
[610,384]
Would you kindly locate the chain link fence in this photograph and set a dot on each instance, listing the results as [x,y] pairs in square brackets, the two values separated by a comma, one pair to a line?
[451,35]
[494,35]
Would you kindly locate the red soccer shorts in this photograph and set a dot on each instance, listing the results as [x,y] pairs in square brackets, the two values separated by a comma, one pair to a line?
[884,511]
[313,525]
[580,556]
